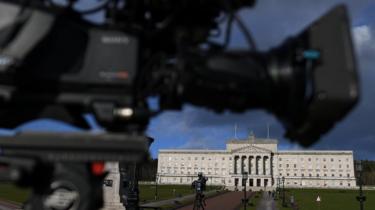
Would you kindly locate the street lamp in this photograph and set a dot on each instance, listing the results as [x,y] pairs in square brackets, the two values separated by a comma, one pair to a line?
[244,179]
[278,187]
[276,190]
[361,198]
[156,185]
[283,180]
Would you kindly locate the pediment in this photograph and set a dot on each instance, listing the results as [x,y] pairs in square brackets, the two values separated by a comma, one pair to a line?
[251,149]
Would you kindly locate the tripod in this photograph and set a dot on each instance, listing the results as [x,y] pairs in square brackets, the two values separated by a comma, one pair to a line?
[199,202]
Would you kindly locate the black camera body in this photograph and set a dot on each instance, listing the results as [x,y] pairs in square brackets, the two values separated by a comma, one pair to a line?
[200,184]
[63,66]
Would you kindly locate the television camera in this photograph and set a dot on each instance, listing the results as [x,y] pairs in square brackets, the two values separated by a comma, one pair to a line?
[55,64]
[199,186]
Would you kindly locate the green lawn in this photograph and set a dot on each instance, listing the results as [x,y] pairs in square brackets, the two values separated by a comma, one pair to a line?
[330,199]
[147,192]
[13,193]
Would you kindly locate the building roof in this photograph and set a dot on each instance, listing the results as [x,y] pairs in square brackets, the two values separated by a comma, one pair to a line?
[253,141]
[191,151]
[296,152]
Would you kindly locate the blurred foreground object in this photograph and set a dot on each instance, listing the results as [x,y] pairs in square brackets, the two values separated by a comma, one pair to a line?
[55,64]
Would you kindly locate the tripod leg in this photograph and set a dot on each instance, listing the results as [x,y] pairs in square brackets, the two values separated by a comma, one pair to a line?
[130,191]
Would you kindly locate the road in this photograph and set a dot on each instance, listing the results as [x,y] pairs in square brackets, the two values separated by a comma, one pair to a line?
[7,205]
[227,201]
[267,203]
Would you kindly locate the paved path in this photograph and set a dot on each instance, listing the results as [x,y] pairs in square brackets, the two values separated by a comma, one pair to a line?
[267,203]
[174,201]
[8,205]
[227,201]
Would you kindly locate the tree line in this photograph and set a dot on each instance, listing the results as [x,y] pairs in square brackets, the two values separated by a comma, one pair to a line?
[368,174]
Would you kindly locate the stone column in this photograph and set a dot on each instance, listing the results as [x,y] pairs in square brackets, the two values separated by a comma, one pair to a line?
[239,165]
[243,160]
[111,194]
[265,165]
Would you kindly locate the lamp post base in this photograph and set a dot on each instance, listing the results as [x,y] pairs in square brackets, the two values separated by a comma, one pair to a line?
[111,191]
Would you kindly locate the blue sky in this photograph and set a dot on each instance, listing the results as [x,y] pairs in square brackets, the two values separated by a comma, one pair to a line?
[271,21]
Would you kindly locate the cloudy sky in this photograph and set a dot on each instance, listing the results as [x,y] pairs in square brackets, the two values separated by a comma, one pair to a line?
[271,21]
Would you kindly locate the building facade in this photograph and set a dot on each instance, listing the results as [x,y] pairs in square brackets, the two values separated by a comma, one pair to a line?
[262,161]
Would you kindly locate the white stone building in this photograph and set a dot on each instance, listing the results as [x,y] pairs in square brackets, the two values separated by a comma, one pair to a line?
[262,161]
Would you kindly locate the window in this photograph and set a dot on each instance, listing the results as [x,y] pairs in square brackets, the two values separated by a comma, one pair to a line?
[309,159]
[324,166]
[324,160]
[340,175]
[309,175]
[295,174]
[302,175]
[287,174]
[317,175]
[202,158]
[281,174]
[223,159]
[287,165]
[347,166]
[230,158]
[348,175]
[196,158]
[295,165]
[331,159]
[333,175]
[339,166]
[280,165]
[325,174]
